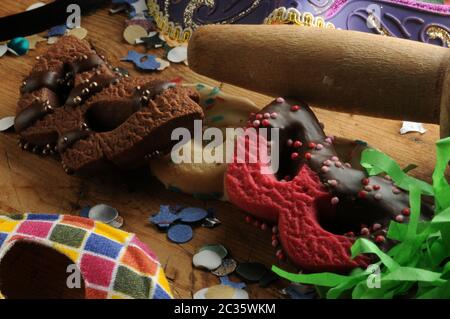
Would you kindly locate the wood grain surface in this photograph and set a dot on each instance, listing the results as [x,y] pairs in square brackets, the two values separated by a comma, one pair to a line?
[30,183]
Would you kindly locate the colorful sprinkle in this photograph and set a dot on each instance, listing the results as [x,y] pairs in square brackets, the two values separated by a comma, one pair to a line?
[319,147]
[289,142]
[266,115]
[265,122]
[274,115]
[294,155]
[399,218]
[295,108]
[256,123]
[335,200]
[376,187]
[380,239]
[362,194]
[334,158]
[406,211]
[378,196]
[308,156]
[297,144]
[365,181]
[279,100]
[365,231]
[376,226]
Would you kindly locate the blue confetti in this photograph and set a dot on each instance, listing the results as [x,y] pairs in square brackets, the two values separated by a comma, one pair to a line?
[85,211]
[225,280]
[57,30]
[142,61]
[164,218]
[192,214]
[180,233]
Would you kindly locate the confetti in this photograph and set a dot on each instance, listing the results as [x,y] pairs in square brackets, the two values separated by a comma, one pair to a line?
[164,218]
[35,39]
[85,211]
[408,127]
[142,61]
[227,267]
[177,54]
[103,213]
[80,33]
[267,279]
[192,214]
[299,291]
[218,249]
[134,32]
[180,233]
[6,123]
[35,6]
[139,7]
[19,45]
[211,222]
[147,24]
[3,49]
[207,259]
[251,271]
[225,280]
[163,64]
[52,40]
[152,41]
[148,63]
[57,30]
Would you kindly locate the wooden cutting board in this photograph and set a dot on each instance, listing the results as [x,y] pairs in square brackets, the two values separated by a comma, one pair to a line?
[30,183]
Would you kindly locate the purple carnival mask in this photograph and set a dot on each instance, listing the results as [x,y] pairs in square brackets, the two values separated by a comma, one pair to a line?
[409,19]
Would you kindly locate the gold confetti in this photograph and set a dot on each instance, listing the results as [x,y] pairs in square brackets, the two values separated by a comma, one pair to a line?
[35,39]
[134,32]
[80,33]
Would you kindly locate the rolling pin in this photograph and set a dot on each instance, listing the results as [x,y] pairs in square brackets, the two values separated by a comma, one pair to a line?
[339,70]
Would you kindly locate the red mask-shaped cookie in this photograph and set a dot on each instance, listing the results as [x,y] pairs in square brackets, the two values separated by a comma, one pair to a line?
[319,202]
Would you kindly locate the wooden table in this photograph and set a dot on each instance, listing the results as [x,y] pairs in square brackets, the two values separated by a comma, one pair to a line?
[30,183]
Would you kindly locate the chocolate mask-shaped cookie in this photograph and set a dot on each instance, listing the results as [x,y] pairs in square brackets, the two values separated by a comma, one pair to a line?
[319,202]
[75,104]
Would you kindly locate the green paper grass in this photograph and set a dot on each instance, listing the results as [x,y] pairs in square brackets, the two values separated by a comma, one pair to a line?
[418,266]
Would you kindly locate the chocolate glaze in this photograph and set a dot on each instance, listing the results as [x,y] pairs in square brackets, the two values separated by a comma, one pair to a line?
[48,79]
[84,63]
[58,82]
[103,117]
[358,201]
[70,138]
[37,110]
[87,89]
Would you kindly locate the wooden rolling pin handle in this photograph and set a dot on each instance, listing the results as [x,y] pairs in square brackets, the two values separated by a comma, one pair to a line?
[346,71]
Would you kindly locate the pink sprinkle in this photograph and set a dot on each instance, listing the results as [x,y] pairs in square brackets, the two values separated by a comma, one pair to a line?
[332,182]
[252,114]
[368,188]
[399,218]
[259,116]
[348,165]
[395,190]
[335,200]
[331,137]
[376,226]
[266,115]
[263,226]
[275,230]
[329,140]
[256,123]
[289,142]
[274,115]
[297,144]
[378,196]
[325,169]
[280,100]
[335,158]
[294,155]
[338,164]
[274,243]
[327,163]
[319,147]
[295,108]
[265,122]
[365,231]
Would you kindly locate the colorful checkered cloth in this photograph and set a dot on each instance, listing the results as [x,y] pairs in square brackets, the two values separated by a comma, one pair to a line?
[113,263]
